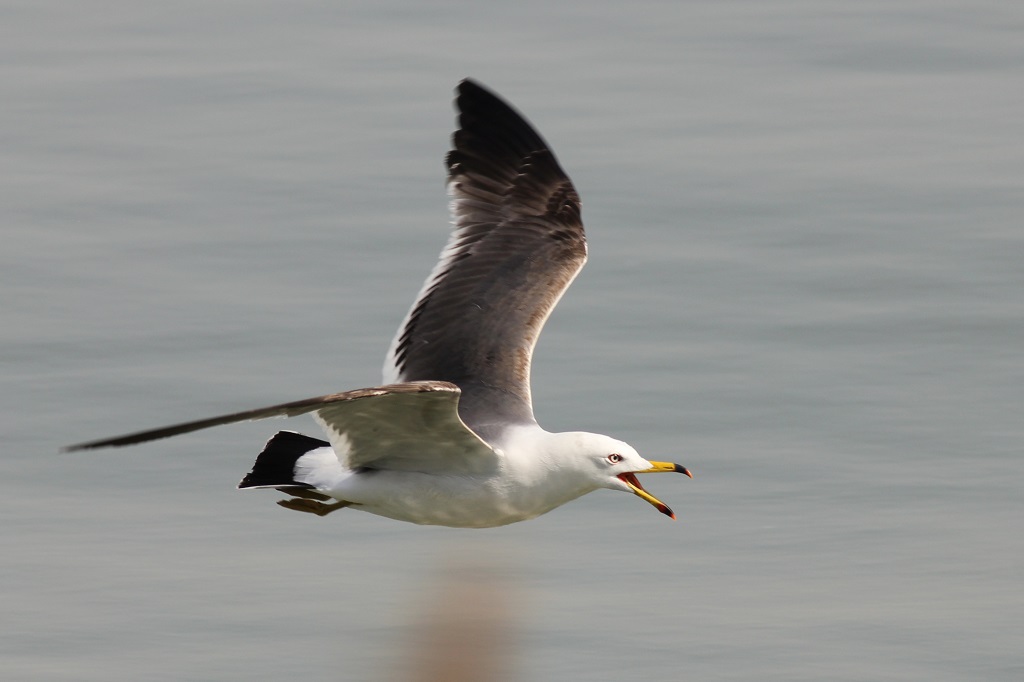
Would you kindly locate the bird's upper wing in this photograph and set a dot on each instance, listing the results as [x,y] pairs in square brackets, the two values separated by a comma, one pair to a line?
[411,426]
[517,244]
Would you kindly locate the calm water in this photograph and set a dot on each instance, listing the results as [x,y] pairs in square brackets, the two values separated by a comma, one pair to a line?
[806,284]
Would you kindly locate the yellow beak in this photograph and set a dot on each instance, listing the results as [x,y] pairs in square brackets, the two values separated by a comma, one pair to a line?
[662,467]
[630,479]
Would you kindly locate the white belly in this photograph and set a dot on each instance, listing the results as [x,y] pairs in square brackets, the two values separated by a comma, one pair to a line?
[468,501]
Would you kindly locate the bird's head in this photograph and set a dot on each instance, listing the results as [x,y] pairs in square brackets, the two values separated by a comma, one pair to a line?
[614,465]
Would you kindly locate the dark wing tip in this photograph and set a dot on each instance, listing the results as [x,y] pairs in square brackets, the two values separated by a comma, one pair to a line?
[489,127]
[507,163]
[470,85]
[117,442]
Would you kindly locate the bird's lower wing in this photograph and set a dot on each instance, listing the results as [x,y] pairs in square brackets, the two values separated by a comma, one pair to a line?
[410,426]
[406,431]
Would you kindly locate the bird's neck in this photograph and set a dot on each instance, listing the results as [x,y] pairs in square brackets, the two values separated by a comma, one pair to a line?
[541,459]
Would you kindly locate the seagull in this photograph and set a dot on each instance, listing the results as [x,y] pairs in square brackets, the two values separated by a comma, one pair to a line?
[450,439]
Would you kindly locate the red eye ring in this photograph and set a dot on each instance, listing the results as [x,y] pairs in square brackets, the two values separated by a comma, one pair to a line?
[614,458]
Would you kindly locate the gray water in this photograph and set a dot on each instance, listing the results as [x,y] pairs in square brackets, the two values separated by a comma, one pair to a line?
[806,284]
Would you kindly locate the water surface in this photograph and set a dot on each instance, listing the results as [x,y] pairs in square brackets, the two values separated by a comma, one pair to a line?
[805,284]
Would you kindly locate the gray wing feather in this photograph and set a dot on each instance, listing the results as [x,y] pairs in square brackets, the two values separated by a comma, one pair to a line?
[518,243]
[326,403]
[406,432]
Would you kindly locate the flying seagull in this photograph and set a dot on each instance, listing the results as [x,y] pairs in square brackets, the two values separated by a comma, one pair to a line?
[451,439]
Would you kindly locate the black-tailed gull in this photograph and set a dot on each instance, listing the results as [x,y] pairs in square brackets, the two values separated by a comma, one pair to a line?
[451,438]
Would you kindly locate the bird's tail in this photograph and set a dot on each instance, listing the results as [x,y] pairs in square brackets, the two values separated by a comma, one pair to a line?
[290,459]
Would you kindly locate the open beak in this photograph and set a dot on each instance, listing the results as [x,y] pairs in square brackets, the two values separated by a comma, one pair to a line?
[630,479]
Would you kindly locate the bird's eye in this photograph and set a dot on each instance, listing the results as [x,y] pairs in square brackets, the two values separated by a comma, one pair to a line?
[614,458]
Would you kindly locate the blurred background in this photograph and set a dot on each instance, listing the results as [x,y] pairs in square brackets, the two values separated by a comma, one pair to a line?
[805,285]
